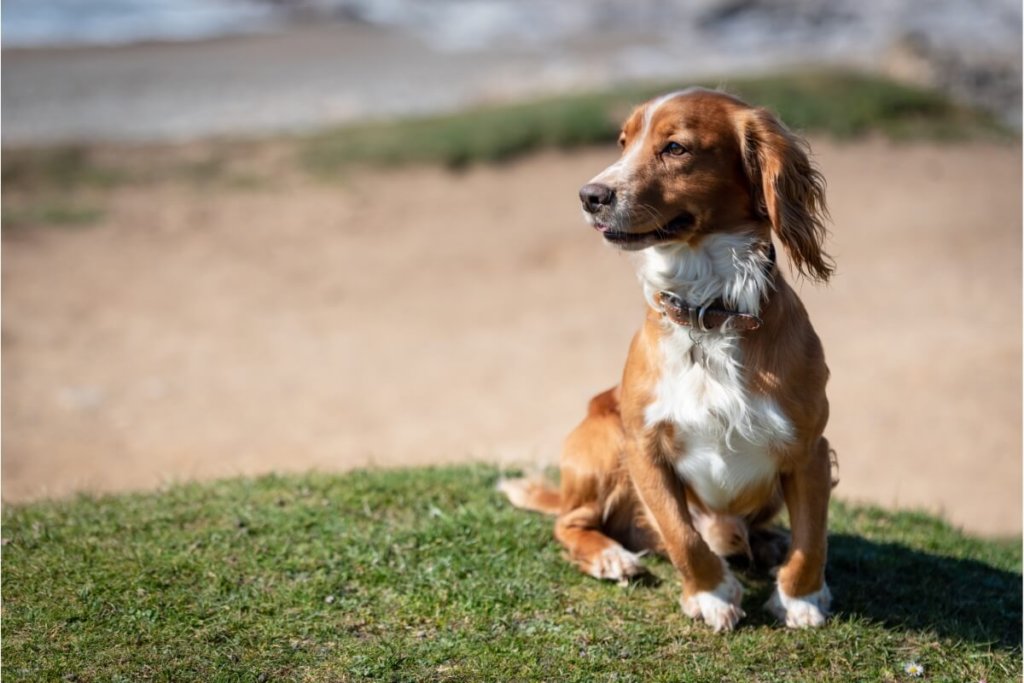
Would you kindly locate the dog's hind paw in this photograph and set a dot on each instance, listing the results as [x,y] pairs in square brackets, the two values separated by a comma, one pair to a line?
[806,611]
[719,608]
[615,563]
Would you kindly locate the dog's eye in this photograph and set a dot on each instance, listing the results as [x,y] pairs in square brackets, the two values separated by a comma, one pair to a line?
[674,149]
[622,141]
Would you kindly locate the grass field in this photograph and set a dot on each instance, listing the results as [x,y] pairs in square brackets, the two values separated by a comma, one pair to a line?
[428,574]
[839,103]
[67,186]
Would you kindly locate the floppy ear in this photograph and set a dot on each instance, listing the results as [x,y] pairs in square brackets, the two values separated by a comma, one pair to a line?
[788,190]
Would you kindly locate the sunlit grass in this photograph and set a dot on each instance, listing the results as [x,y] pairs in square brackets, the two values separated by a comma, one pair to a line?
[837,103]
[427,574]
[842,104]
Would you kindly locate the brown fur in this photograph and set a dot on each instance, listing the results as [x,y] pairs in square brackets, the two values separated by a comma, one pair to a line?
[791,193]
[742,169]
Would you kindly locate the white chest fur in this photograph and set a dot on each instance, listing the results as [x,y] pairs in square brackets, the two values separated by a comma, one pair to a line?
[724,435]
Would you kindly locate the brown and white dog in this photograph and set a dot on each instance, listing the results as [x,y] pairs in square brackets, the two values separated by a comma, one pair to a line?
[719,416]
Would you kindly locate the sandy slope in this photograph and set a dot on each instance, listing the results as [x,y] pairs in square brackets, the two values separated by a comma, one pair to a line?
[418,316]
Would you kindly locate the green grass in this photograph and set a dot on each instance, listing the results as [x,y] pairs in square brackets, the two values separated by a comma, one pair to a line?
[55,212]
[839,103]
[64,167]
[427,574]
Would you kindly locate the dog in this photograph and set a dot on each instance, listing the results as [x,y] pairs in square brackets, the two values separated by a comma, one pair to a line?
[718,420]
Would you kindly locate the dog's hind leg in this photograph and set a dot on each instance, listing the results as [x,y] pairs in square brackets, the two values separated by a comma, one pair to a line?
[769,543]
[598,504]
[589,548]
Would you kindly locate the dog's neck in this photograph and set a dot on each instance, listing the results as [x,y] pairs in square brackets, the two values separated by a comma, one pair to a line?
[735,269]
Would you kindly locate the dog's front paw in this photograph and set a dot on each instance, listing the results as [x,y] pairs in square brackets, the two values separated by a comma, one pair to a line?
[719,608]
[615,563]
[806,611]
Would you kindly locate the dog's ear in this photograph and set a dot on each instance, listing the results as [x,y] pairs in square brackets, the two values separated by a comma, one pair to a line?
[788,190]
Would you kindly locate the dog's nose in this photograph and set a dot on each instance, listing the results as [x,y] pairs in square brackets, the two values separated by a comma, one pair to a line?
[596,195]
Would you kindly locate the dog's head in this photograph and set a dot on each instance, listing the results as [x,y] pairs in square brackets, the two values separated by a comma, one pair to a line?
[700,162]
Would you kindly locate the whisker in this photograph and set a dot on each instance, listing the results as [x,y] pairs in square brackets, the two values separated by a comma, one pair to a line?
[656,216]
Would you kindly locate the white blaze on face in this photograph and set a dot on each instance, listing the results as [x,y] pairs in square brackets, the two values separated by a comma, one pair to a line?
[620,175]
[621,172]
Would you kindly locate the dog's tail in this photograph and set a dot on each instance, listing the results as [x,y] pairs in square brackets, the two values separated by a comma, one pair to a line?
[532,494]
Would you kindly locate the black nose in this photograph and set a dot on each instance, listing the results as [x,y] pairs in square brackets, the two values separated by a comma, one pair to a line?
[596,195]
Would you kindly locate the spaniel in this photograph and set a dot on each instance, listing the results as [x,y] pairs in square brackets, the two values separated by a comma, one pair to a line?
[719,417]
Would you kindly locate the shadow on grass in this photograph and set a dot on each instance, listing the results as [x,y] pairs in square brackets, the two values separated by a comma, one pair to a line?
[910,589]
[899,587]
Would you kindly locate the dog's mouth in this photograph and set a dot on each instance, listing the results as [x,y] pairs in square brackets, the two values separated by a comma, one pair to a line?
[639,240]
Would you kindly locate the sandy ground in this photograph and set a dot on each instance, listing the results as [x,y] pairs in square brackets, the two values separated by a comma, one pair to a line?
[420,316]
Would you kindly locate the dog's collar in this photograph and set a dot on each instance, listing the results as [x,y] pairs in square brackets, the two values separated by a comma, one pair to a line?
[713,315]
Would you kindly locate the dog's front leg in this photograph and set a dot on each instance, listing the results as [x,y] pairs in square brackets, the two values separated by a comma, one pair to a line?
[801,597]
[710,591]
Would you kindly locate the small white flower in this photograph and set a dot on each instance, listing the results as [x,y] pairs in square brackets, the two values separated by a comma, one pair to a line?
[913,669]
[329,599]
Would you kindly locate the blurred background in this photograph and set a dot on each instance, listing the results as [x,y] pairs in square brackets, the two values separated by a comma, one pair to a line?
[273,65]
[243,236]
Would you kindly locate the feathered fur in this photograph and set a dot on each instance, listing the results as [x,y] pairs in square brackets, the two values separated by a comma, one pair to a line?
[709,432]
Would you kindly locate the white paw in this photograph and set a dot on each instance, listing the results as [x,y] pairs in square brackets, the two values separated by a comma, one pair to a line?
[719,608]
[806,611]
[615,563]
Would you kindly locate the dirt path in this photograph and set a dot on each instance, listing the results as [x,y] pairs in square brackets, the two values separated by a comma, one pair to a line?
[418,317]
